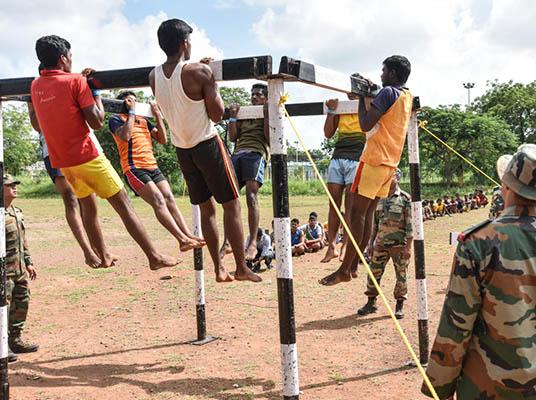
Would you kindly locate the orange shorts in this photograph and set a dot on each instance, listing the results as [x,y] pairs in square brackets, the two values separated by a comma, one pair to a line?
[372,182]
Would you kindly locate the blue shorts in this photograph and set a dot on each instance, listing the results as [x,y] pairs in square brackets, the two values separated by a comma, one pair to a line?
[249,166]
[52,172]
[342,171]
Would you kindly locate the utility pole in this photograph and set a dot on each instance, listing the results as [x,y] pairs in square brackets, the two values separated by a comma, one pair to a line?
[469,86]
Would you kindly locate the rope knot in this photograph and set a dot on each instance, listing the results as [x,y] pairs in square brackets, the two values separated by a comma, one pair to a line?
[283,99]
[422,124]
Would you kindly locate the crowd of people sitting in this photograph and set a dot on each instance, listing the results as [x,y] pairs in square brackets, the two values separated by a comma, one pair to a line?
[449,205]
[312,236]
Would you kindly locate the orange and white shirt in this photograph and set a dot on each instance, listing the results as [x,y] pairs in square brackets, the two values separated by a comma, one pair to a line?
[137,152]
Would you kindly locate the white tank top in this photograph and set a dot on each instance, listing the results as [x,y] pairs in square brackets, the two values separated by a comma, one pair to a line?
[187,118]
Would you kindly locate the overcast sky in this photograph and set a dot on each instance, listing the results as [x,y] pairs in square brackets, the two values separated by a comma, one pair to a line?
[447,42]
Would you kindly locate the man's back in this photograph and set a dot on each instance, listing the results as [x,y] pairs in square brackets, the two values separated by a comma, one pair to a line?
[58,99]
[491,308]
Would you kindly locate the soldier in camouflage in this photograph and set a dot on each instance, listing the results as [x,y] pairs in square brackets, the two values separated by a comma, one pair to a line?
[485,346]
[392,236]
[19,268]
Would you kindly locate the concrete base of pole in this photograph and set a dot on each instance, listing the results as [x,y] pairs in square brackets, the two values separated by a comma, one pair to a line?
[206,340]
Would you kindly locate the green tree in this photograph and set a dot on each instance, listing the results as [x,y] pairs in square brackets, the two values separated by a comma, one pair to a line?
[235,95]
[231,95]
[515,103]
[20,144]
[481,138]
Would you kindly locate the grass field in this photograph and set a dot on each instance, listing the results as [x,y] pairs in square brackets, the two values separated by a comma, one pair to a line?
[122,333]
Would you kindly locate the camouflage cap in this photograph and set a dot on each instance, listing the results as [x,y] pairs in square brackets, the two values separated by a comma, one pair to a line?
[9,180]
[520,173]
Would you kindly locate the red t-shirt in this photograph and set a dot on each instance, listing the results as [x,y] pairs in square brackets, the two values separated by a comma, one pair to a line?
[58,99]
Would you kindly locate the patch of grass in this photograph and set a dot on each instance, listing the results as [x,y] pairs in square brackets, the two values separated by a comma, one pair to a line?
[77,295]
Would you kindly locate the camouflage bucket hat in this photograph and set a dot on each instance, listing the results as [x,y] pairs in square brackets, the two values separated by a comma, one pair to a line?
[520,173]
[502,163]
[9,180]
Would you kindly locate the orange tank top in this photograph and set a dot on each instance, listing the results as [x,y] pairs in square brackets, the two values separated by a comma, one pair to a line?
[385,141]
[137,152]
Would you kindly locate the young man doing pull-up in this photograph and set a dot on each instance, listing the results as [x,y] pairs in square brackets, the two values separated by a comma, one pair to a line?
[385,124]
[188,96]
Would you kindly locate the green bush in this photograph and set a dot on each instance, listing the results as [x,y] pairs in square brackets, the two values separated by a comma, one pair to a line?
[40,186]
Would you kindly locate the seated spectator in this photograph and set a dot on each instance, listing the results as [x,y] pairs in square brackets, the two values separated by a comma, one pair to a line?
[264,251]
[297,238]
[482,198]
[474,205]
[314,234]
[460,203]
[427,210]
[440,208]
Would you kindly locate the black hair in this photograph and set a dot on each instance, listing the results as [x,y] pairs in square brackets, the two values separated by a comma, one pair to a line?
[313,214]
[259,232]
[171,33]
[49,49]
[295,220]
[400,65]
[261,86]
[125,93]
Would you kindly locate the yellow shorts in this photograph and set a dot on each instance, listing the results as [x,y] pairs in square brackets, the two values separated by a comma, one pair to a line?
[372,182]
[96,176]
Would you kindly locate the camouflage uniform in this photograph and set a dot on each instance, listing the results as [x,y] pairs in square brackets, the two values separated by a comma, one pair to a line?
[17,258]
[497,203]
[486,341]
[393,229]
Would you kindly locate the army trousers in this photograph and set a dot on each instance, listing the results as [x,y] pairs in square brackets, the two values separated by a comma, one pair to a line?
[380,257]
[18,298]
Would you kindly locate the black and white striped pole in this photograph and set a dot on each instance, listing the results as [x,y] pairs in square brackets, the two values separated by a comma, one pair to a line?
[202,337]
[285,289]
[418,237]
[4,309]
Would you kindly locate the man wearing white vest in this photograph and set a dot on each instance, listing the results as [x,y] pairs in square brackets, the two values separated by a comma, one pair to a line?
[188,96]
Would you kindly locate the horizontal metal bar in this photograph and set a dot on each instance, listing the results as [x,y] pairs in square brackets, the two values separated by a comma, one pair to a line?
[110,105]
[258,67]
[297,110]
[326,78]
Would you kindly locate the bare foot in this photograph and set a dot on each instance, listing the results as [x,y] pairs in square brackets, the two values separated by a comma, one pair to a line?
[353,271]
[109,261]
[330,255]
[251,252]
[223,276]
[335,278]
[92,260]
[162,261]
[225,249]
[196,238]
[247,275]
[189,244]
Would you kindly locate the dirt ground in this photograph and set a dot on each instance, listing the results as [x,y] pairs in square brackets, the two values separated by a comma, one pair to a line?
[123,333]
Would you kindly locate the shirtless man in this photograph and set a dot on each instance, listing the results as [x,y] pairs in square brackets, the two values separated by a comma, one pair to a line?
[188,96]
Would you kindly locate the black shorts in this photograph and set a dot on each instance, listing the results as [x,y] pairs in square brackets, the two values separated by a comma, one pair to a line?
[208,172]
[52,172]
[137,178]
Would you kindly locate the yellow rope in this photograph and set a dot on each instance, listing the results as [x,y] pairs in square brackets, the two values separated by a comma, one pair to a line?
[360,254]
[422,125]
